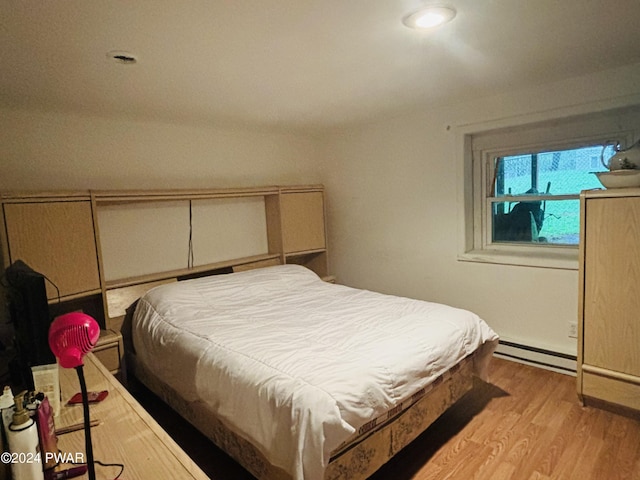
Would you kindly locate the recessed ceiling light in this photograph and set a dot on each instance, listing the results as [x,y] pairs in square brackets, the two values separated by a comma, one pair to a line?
[125,58]
[429,17]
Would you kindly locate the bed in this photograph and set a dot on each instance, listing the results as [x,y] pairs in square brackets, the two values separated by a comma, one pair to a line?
[299,378]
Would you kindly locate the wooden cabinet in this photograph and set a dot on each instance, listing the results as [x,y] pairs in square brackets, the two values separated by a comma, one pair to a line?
[296,224]
[54,236]
[609,311]
[302,222]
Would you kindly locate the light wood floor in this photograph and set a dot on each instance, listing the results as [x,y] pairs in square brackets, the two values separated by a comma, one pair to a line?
[525,424]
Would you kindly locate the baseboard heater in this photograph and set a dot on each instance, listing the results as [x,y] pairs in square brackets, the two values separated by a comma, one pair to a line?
[560,362]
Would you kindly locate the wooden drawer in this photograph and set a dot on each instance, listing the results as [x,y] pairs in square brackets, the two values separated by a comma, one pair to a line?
[611,390]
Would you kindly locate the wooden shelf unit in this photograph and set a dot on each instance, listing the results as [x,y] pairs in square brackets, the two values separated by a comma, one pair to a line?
[59,235]
[609,303]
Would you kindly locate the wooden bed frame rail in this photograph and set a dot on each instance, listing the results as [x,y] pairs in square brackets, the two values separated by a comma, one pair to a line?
[359,461]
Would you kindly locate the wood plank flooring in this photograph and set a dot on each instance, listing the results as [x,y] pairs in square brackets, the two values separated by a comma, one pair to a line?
[524,424]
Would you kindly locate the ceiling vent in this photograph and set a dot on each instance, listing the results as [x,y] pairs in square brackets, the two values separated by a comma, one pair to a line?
[125,58]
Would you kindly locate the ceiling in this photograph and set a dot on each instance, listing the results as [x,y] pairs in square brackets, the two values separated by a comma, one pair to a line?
[296,63]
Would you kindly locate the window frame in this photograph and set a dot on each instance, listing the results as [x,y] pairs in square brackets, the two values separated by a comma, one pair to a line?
[550,135]
[487,173]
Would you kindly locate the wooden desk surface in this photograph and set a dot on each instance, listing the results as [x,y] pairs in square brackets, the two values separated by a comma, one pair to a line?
[127,434]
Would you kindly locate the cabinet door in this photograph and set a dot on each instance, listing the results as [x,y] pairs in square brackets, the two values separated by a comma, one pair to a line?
[612,282]
[302,221]
[56,239]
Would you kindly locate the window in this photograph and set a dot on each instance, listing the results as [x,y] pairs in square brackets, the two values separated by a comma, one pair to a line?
[534,197]
[523,184]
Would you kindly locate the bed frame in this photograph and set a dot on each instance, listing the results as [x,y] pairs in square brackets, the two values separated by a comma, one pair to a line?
[357,460]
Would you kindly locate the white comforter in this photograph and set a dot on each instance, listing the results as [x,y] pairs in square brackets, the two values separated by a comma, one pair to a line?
[295,364]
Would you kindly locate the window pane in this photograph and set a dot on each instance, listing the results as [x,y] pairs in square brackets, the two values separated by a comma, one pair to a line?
[559,172]
[551,221]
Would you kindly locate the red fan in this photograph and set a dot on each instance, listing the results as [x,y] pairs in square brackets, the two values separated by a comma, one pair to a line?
[71,337]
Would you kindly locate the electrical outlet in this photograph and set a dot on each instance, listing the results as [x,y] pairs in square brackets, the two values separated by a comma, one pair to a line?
[573,329]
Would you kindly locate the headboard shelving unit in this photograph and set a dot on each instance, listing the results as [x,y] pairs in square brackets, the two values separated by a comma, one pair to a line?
[111,246]
[53,233]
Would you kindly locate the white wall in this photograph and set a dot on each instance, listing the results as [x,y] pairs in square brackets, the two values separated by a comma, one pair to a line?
[393,203]
[67,151]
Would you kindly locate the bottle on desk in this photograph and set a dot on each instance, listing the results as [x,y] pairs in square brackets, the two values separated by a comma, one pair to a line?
[24,443]
[6,414]
[6,407]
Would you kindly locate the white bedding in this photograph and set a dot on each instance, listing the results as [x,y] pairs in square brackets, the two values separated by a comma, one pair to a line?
[294,364]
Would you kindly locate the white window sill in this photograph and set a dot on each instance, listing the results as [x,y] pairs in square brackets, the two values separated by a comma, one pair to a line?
[560,258]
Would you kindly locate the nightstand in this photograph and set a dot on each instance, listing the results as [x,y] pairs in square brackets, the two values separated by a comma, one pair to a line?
[110,351]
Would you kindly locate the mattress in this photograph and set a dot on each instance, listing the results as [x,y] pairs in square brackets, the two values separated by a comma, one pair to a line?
[295,365]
